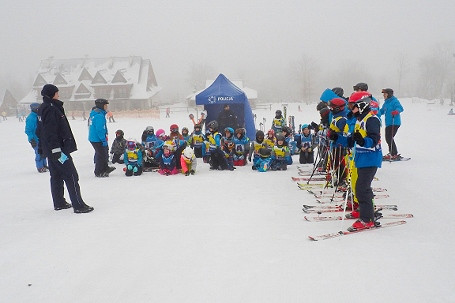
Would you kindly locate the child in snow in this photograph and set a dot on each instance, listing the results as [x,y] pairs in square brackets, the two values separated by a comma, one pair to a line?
[278,122]
[197,140]
[338,128]
[217,158]
[228,147]
[186,135]
[279,154]
[188,161]
[178,142]
[287,133]
[264,161]
[306,145]
[118,147]
[133,158]
[168,161]
[255,146]
[241,147]
[270,140]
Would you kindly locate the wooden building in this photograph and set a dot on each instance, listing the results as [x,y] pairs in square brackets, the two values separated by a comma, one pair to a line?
[127,82]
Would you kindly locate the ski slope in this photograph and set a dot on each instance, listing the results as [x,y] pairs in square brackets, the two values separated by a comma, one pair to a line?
[222,236]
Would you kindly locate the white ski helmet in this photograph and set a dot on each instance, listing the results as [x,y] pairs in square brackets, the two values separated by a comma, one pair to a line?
[188,152]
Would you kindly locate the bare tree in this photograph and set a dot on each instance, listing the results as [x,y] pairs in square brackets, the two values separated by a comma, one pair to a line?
[402,69]
[198,74]
[435,78]
[304,74]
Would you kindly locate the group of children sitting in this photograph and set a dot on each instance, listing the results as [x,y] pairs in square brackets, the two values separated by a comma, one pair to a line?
[274,152]
[167,154]
[177,152]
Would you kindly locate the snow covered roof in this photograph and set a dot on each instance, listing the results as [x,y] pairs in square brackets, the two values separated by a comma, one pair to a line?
[84,79]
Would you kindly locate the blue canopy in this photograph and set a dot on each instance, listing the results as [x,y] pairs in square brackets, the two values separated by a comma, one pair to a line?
[221,92]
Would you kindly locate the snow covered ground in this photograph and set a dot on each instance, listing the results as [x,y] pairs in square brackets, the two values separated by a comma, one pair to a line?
[223,236]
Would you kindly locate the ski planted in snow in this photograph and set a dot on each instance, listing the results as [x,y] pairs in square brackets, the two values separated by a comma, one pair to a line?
[345,233]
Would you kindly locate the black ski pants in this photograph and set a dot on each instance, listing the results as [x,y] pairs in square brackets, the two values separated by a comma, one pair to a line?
[65,173]
[364,192]
[101,157]
[306,157]
[390,132]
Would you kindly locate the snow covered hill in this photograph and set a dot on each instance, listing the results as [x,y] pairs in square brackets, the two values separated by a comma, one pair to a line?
[222,236]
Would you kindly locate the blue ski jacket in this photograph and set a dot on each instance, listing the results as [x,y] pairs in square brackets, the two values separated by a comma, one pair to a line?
[98,129]
[391,104]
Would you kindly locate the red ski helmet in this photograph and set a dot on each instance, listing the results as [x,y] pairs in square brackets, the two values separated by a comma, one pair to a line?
[174,128]
[360,99]
[337,105]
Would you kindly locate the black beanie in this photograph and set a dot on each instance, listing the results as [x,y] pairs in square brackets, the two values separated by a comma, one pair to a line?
[49,90]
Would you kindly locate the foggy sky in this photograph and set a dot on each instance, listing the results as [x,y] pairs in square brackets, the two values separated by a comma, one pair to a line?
[234,37]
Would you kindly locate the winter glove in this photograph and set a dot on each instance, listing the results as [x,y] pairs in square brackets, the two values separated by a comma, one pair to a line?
[249,158]
[104,143]
[33,143]
[332,135]
[395,113]
[359,139]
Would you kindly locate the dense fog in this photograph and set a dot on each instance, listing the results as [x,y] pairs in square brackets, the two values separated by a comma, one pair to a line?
[287,50]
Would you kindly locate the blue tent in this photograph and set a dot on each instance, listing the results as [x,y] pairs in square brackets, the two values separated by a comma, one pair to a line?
[221,92]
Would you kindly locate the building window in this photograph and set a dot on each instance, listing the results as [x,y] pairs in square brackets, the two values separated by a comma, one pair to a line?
[122,92]
[102,92]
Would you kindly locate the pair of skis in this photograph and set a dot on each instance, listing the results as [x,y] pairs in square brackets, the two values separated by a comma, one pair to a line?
[345,233]
[337,199]
[339,218]
[339,194]
[339,208]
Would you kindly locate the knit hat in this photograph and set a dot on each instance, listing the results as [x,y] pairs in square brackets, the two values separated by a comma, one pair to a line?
[49,90]
[388,91]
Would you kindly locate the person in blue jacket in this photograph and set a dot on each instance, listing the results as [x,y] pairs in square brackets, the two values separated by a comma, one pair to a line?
[391,109]
[133,158]
[306,144]
[31,123]
[217,159]
[56,141]
[97,136]
[366,144]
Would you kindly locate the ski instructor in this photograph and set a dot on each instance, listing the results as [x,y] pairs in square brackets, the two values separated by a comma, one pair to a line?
[391,109]
[56,141]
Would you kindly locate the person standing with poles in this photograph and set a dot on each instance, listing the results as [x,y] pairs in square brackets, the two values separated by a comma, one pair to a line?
[391,109]
[366,144]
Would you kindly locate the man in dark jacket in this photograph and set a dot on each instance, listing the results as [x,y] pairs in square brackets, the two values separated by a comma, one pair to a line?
[56,141]
[227,118]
